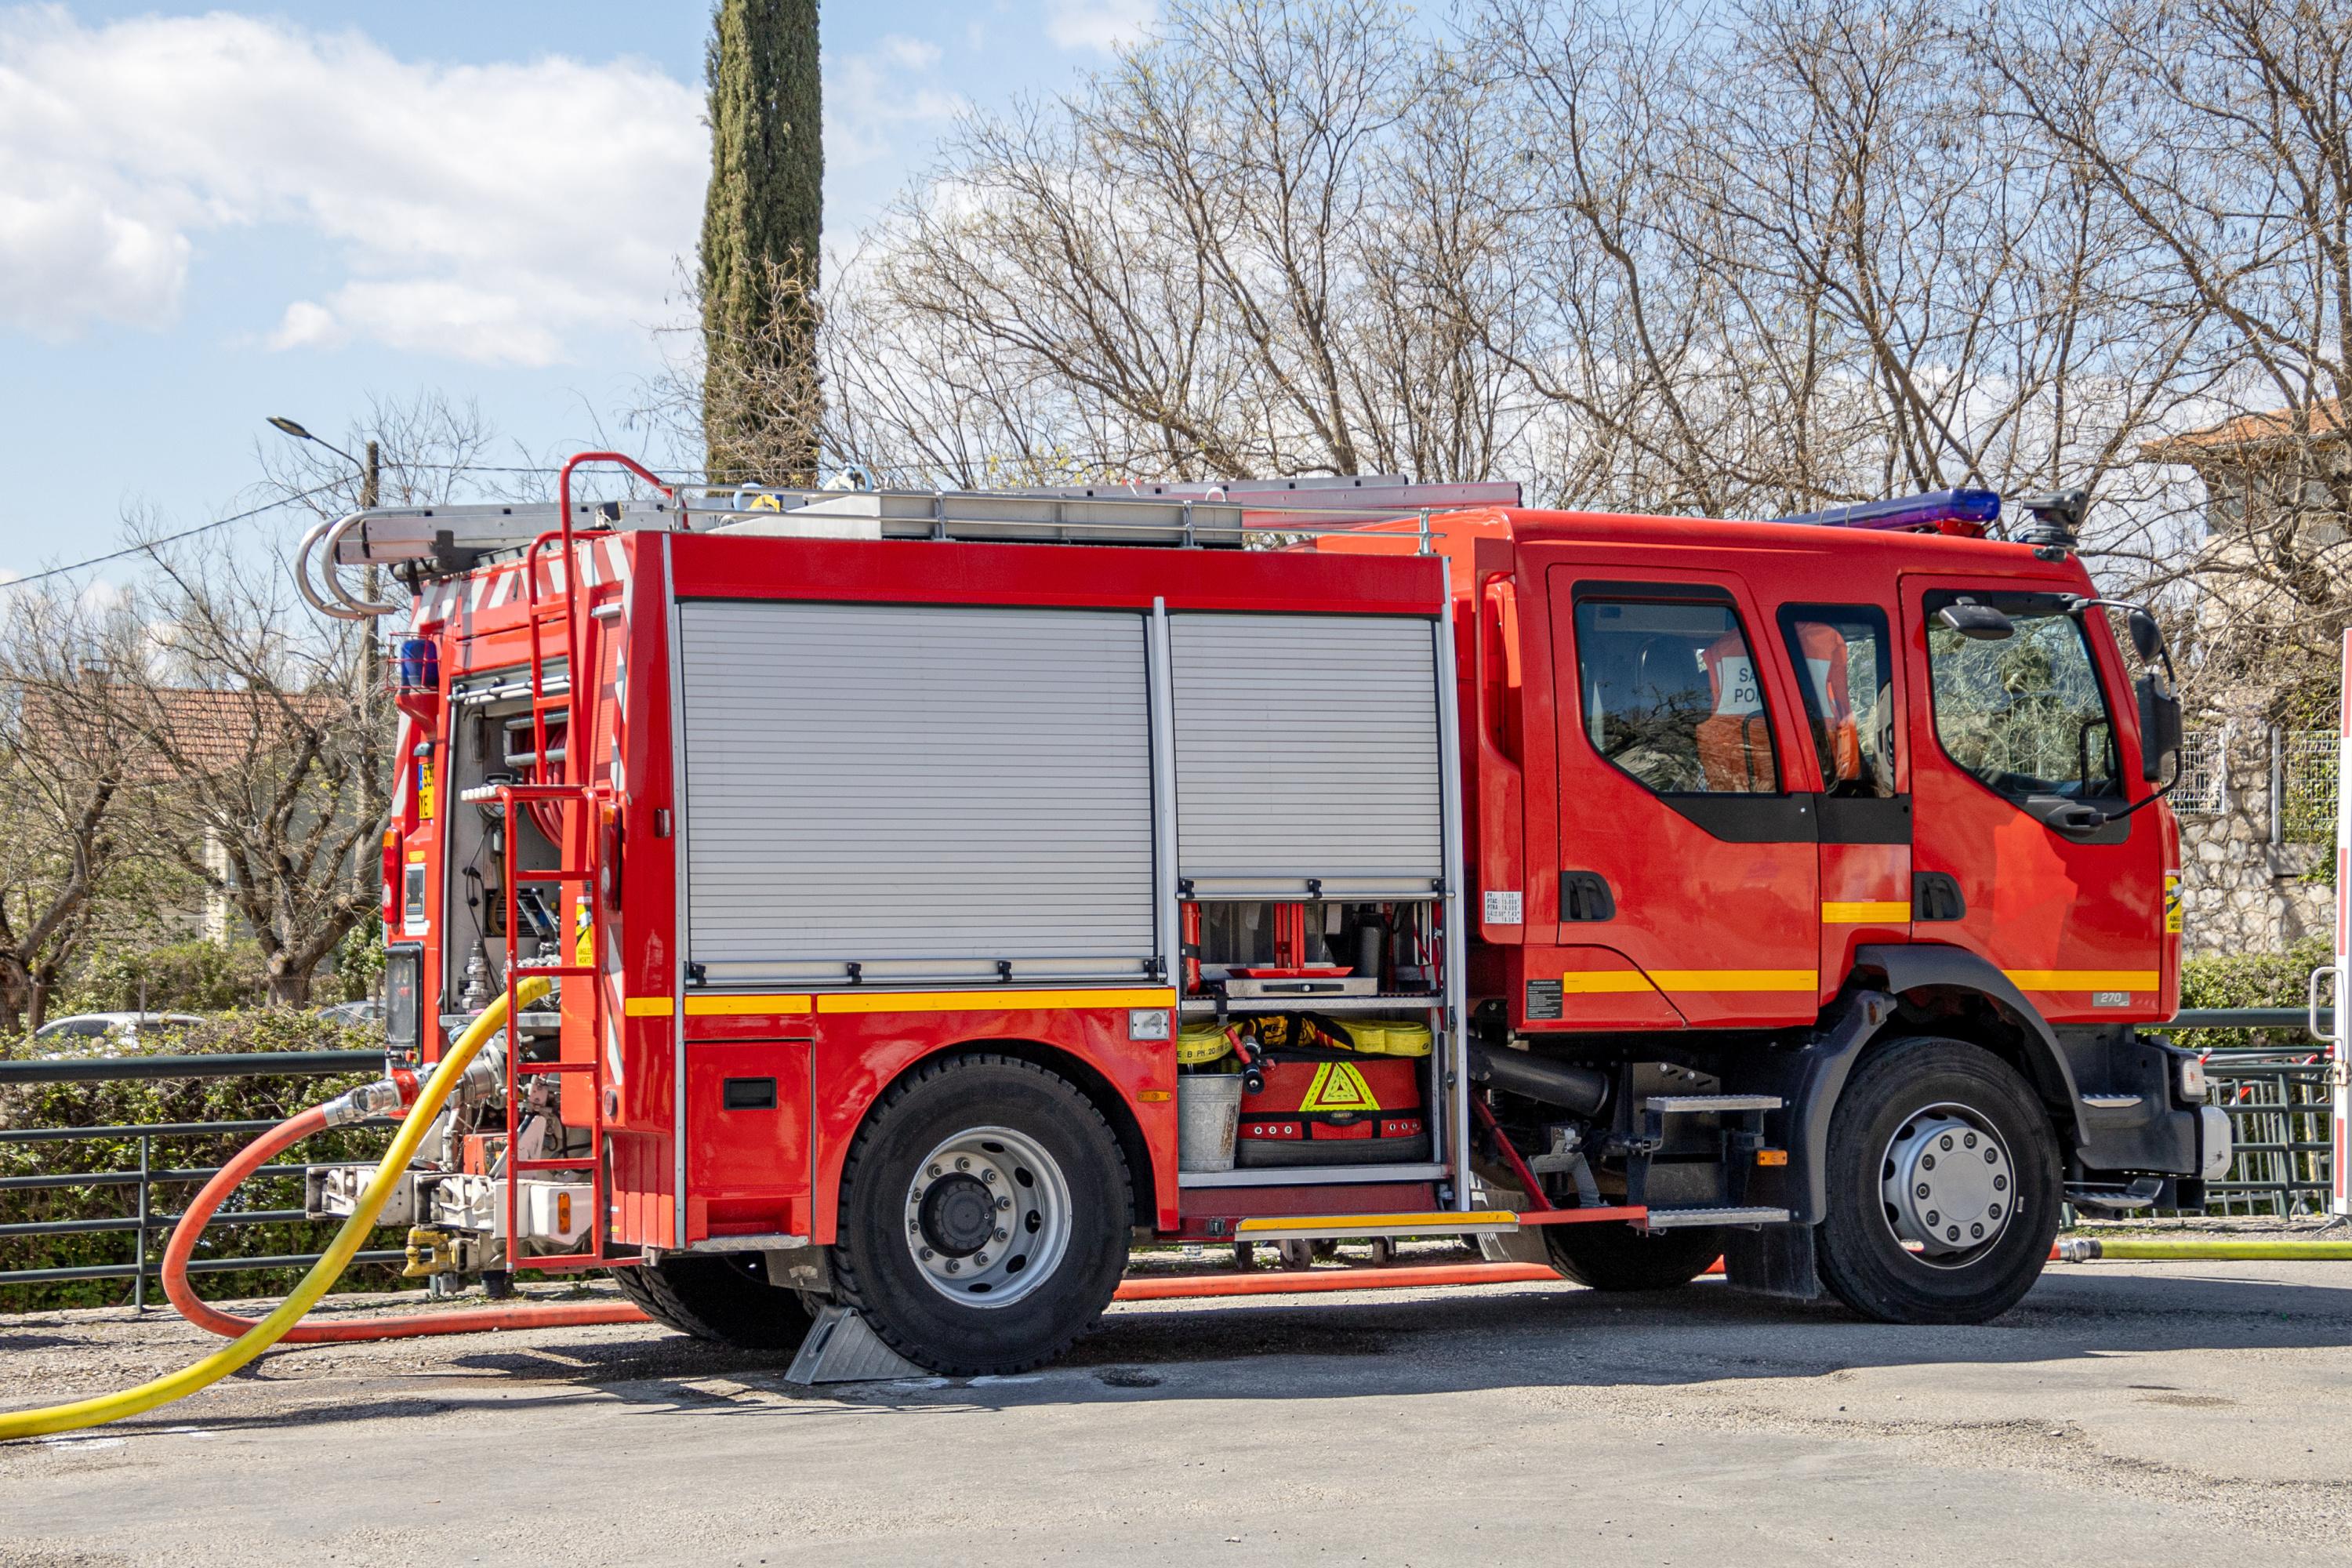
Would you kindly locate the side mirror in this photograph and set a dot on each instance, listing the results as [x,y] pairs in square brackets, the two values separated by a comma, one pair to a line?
[1972,619]
[2145,635]
[2159,724]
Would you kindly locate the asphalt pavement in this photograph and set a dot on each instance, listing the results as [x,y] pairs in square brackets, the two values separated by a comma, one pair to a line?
[2123,1413]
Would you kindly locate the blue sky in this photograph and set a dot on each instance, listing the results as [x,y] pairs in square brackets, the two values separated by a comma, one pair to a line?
[211,215]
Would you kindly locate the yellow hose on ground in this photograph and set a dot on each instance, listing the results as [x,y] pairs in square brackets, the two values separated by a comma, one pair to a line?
[2156,1249]
[323,1274]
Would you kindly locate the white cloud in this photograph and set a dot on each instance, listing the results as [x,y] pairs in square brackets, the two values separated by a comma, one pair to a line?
[499,212]
[1099,24]
[873,99]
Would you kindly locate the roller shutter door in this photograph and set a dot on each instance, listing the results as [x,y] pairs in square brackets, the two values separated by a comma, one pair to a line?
[923,792]
[1307,747]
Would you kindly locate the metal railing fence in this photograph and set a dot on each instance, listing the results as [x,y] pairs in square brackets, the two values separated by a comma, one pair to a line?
[143,1223]
[2278,1098]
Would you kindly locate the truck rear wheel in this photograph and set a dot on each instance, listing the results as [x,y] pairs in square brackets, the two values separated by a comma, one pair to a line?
[1943,1185]
[724,1298]
[1610,1254]
[984,1216]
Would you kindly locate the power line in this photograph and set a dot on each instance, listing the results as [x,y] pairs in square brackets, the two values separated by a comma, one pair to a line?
[172,538]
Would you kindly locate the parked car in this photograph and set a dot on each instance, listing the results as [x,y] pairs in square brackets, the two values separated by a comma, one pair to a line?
[124,1027]
[354,1015]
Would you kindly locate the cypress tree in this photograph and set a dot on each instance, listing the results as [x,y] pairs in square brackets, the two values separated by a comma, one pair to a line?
[762,222]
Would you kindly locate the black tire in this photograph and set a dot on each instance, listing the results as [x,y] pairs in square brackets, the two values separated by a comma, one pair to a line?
[878,1261]
[1863,1258]
[1613,1256]
[724,1298]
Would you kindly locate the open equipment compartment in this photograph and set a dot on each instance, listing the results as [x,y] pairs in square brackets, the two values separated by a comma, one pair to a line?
[1312,764]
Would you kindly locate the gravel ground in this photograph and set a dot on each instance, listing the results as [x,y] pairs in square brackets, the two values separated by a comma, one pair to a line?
[2125,1413]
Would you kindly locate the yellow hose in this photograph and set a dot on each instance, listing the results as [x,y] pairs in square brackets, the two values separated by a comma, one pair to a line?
[323,1274]
[2155,1249]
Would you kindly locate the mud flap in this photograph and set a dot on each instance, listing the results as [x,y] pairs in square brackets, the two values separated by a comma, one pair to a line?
[1774,1260]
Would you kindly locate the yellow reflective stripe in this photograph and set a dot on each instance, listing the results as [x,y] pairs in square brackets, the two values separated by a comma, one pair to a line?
[1737,979]
[743,1004]
[988,1001]
[760,1004]
[1442,1219]
[1865,912]
[2084,979]
[1605,981]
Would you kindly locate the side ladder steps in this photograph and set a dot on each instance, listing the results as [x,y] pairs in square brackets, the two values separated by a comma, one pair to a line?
[1683,1219]
[1694,1104]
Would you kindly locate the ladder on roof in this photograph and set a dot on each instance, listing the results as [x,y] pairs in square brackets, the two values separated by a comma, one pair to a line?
[571,811]
[442,541]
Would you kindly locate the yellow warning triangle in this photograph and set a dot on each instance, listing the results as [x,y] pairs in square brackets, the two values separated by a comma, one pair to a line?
[1338,1086]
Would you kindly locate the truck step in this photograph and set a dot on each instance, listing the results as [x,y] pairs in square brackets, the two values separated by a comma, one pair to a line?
[1692,1104]
[1325,1227]
[1679,1219]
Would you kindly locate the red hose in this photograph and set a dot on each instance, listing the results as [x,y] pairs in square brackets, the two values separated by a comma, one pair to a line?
[473,1321]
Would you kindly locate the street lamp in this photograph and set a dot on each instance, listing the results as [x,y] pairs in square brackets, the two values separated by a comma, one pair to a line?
[368,492]
[367,469]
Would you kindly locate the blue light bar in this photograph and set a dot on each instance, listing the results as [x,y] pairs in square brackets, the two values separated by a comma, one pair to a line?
[1945,511]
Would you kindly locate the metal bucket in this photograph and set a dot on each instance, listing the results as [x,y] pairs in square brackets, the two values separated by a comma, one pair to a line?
[1208,1114]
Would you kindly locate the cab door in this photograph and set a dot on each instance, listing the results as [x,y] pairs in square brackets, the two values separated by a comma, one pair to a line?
[1686,822]
[2018,759]
[1849,681]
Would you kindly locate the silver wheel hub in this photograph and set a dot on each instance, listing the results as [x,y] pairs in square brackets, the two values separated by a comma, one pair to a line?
[987,1216]
[1950,1186]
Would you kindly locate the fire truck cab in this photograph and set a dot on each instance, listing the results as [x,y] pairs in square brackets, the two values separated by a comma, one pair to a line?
[944,891]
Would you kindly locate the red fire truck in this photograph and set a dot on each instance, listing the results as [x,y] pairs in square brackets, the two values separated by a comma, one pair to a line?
[944,891]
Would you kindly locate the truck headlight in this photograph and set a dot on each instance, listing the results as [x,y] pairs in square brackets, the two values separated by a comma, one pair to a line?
[2214,1143]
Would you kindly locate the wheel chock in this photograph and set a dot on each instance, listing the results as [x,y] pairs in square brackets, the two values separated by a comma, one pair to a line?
[842,1347]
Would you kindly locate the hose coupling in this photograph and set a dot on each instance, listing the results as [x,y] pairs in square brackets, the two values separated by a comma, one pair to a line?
[386,1097]
[2078,1250]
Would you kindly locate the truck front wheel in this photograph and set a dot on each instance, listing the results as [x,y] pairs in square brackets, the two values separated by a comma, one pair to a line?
[1943,1185]
[984,1216]
[722,1297]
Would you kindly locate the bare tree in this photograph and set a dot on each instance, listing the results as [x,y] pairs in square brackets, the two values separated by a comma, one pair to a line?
[2222,131]
[73,774]
[269,734]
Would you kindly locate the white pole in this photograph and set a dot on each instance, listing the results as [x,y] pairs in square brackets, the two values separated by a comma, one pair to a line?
[2339,1066]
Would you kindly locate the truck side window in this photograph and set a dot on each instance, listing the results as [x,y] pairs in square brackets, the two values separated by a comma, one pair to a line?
[1846,671]
[1673,697]
[2023,713]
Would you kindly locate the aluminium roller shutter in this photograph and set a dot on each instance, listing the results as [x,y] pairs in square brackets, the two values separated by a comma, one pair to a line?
[921,791]
[1307,747]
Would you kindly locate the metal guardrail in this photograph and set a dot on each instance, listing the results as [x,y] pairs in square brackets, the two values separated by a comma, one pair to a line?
[224,1063]
[2279,1110]
[143,1223]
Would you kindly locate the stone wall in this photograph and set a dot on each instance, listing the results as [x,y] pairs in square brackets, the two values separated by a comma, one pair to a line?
[2240,892]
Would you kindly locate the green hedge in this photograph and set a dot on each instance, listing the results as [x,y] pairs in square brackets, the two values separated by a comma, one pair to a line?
[2250,979]
[123,1103]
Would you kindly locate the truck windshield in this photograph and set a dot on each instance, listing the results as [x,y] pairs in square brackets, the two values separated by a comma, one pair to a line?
[2025,713]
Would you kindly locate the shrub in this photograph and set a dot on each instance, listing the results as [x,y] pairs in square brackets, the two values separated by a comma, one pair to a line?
[127,1102]
[2250,980]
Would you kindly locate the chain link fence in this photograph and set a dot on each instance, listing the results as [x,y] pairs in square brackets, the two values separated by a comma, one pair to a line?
[2204,774]
[2303,774]
[2302,785]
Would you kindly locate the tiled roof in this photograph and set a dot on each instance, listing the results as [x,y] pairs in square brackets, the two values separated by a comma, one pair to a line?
[2325,418]
[188,730]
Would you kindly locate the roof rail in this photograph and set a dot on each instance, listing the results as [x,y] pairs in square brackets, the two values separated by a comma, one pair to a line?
[444,539]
